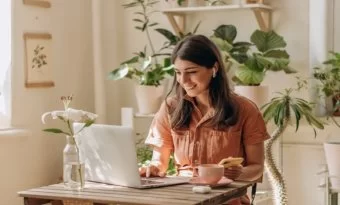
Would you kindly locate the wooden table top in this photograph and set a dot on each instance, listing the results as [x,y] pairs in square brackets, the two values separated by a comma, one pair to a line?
[111,194]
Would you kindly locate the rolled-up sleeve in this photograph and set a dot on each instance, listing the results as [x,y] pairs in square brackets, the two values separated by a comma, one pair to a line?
[159,134]
[254,128]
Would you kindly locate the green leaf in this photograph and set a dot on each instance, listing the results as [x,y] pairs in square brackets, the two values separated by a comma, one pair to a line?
[88,123]
[248,76]
[138,20]
[131,60]
[223,45]
[54,130]
[297,114]
[270,110]
[153,24]
[196,27]
[173,39]
[226,32]
[265,41]
[62,118]
[119,73]
[146,63]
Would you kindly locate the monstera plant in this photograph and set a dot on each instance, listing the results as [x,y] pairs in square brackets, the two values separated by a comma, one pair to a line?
[253,59]
[250,61]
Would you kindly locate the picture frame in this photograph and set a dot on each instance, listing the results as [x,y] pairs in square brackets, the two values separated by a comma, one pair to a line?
[39,3]
[38,60]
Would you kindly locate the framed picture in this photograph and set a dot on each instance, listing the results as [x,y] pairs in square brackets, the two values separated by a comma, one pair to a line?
[38,60]
[40,3]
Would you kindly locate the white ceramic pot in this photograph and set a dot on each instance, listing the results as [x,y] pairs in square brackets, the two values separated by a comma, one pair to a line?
[258,94]
[332,153]
[149,98]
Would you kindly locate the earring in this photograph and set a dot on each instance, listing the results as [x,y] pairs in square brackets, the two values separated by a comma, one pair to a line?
[214,74]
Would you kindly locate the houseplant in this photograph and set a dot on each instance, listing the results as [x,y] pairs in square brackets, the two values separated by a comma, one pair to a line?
[253,59]
[329,81]
[328,77]
[145,66]
[149,67]
[281,110]
[73,167]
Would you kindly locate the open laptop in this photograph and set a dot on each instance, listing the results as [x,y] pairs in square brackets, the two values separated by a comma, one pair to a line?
[109,153]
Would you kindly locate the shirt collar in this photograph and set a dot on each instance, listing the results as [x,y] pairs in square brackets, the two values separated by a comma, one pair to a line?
[211,112]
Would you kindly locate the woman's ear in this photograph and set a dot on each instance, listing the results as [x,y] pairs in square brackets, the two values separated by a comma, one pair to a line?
[215,67]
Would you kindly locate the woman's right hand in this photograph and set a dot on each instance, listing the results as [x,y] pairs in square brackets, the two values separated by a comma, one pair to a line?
[151,171]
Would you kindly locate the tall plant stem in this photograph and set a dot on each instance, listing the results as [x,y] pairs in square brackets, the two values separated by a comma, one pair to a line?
[148,33]
[274,174]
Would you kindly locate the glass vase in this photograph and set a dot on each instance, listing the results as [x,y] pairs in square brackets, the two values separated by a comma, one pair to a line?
[73,175]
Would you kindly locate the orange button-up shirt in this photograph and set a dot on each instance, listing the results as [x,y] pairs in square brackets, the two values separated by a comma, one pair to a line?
[201,144]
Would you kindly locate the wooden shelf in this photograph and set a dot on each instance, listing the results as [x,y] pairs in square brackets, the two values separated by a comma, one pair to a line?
[262,13]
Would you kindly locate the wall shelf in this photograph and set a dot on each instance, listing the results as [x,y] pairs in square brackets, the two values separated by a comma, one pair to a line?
[262,14]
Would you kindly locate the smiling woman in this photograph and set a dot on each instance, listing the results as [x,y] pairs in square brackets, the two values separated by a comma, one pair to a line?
[5,60]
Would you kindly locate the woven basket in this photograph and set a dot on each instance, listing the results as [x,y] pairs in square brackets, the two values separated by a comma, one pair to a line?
[77,202]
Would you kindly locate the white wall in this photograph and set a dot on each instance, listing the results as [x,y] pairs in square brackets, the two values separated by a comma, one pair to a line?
[34,158]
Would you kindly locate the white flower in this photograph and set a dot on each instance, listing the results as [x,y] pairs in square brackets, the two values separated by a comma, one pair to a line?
[70,114]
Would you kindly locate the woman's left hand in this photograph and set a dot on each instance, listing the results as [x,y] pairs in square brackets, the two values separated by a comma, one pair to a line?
[233,172]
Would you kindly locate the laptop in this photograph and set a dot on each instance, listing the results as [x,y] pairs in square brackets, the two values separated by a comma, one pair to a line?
[109,153]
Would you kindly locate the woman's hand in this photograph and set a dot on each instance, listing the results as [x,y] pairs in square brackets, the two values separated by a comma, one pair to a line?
[150,171]
[233,172]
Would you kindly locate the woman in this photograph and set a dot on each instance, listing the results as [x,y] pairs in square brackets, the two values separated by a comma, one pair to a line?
[205,121]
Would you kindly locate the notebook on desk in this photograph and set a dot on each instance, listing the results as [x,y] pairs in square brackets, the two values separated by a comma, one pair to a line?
[109,153]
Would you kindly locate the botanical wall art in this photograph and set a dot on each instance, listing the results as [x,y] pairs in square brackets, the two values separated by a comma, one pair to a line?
[40,3]
[38,60]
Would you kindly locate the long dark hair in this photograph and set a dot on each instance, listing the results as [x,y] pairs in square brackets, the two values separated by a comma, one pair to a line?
[201,51]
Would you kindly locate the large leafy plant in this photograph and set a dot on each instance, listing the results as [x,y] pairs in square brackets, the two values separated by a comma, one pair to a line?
[281,110]
[253,59]
[329,79]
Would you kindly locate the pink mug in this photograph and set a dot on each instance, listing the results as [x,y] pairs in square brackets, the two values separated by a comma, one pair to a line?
[210,173]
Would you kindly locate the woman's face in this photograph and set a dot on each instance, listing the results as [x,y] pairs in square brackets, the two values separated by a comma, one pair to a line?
[193,78]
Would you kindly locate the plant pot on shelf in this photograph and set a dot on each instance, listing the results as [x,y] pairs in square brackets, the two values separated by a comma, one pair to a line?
[149,98]
[258,94]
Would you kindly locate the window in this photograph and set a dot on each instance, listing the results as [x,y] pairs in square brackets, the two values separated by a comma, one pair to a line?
[5,60]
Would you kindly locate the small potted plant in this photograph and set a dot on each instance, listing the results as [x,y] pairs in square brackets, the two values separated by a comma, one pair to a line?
[253,59]
[145,66]
[149,67]
[329,80]
[282,109]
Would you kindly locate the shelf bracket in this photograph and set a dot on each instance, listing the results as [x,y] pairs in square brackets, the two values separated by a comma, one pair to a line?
[263,17]
[177,24]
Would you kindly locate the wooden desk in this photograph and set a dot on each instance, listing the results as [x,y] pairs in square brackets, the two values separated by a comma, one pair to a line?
[100,194]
